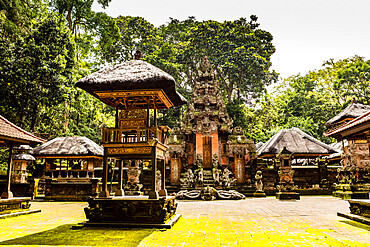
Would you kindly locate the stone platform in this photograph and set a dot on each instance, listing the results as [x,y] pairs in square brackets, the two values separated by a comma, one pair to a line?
[130,209]
[360,211]
[15,206]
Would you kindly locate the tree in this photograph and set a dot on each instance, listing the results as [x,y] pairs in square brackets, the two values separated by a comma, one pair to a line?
[238,51]
[34,70]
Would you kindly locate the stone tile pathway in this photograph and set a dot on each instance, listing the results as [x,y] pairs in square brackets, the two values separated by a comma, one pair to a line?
[312,221]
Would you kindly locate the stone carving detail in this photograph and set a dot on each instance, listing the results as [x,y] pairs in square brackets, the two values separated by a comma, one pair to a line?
[286,182]
[133,185]
[188,180]
[227,179]
[206,113]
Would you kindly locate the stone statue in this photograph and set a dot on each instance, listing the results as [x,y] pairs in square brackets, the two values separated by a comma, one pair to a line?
[188,180]
[226,180]
[158,179]
[199,171]
[215,171]
[133,186]
[258,183]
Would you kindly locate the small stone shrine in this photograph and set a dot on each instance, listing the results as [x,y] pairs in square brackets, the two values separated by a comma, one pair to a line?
[206,151]
[352,124]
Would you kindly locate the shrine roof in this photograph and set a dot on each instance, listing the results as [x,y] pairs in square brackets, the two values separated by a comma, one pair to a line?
[70,146]
[23,157]
[11,133]
[353,110]
[295,141]
[358,124]
[130,76]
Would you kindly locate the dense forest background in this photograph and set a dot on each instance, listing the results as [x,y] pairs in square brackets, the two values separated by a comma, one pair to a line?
[46,46]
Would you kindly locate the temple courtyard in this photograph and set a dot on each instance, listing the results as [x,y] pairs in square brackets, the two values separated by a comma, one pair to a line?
[311,221]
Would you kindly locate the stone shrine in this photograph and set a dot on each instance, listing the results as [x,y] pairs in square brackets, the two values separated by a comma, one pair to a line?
[206,150]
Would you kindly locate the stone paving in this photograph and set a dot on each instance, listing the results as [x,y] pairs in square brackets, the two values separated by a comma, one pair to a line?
[312,221]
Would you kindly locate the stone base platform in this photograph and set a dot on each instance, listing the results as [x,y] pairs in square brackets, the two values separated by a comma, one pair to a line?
[360,211]
[130,209]
[15,204]
[259,194]
[166,225]
[287,196]
[354,217]
[347,195]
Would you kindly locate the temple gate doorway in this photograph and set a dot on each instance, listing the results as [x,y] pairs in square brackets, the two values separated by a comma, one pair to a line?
[207,152]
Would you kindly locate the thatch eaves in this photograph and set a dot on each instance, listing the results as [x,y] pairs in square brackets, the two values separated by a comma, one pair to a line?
[23,156]
[352,111]
[295,141]
[71,146]
[132,75]
[11,133]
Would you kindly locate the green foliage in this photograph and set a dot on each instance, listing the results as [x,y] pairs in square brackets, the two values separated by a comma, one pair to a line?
[33,70]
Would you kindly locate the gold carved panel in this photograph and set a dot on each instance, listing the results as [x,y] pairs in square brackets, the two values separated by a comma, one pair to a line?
[130,150]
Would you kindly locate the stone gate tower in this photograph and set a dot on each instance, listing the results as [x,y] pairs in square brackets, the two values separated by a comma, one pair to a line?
[206,139]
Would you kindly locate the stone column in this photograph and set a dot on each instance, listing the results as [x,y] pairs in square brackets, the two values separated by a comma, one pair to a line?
[175,171]
[239,169]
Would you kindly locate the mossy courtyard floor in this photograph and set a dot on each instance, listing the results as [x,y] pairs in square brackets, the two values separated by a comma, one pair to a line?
[312,221]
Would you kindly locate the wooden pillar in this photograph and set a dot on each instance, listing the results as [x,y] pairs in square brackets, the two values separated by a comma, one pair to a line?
[153,193]
[155,117]
[105,192]
[117,117]
[119,191]
[7,193]
[163,191]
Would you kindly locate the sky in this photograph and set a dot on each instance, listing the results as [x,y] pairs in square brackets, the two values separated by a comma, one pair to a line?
[306,32]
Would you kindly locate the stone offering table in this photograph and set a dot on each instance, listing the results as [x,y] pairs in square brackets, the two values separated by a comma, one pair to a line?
[131,211]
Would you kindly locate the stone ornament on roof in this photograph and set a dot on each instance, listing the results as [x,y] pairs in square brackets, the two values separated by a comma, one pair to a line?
[206,113]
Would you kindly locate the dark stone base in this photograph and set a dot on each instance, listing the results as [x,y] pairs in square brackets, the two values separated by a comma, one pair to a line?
[15,204]
[167,225]
[130,209]
[354,217]
[347,195]
[2,216]
[360,207]
[287,196]
[259,194]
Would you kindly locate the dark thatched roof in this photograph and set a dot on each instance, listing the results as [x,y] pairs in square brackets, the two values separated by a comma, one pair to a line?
[11,133]
[23,157]
[68,147]
[354,129]
[353,110]
[295,141]
[131,75]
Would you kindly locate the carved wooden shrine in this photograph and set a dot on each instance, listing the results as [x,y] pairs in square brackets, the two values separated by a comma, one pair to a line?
[136,89]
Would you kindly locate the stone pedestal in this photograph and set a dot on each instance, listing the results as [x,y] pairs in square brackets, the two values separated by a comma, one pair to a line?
[287,196]
[130,209]
[14,204]
[349,191]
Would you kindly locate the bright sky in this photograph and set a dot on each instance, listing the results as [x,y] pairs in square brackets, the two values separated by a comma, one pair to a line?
[306,32]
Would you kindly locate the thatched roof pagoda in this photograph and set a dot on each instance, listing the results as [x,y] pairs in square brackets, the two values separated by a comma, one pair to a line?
[71,146]
[351,112]
[296,142]
[125,84]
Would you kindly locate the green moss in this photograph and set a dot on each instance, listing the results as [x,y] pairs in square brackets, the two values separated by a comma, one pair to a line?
[64,235]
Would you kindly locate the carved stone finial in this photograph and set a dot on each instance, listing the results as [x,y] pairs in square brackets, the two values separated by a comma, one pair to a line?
[137,55]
